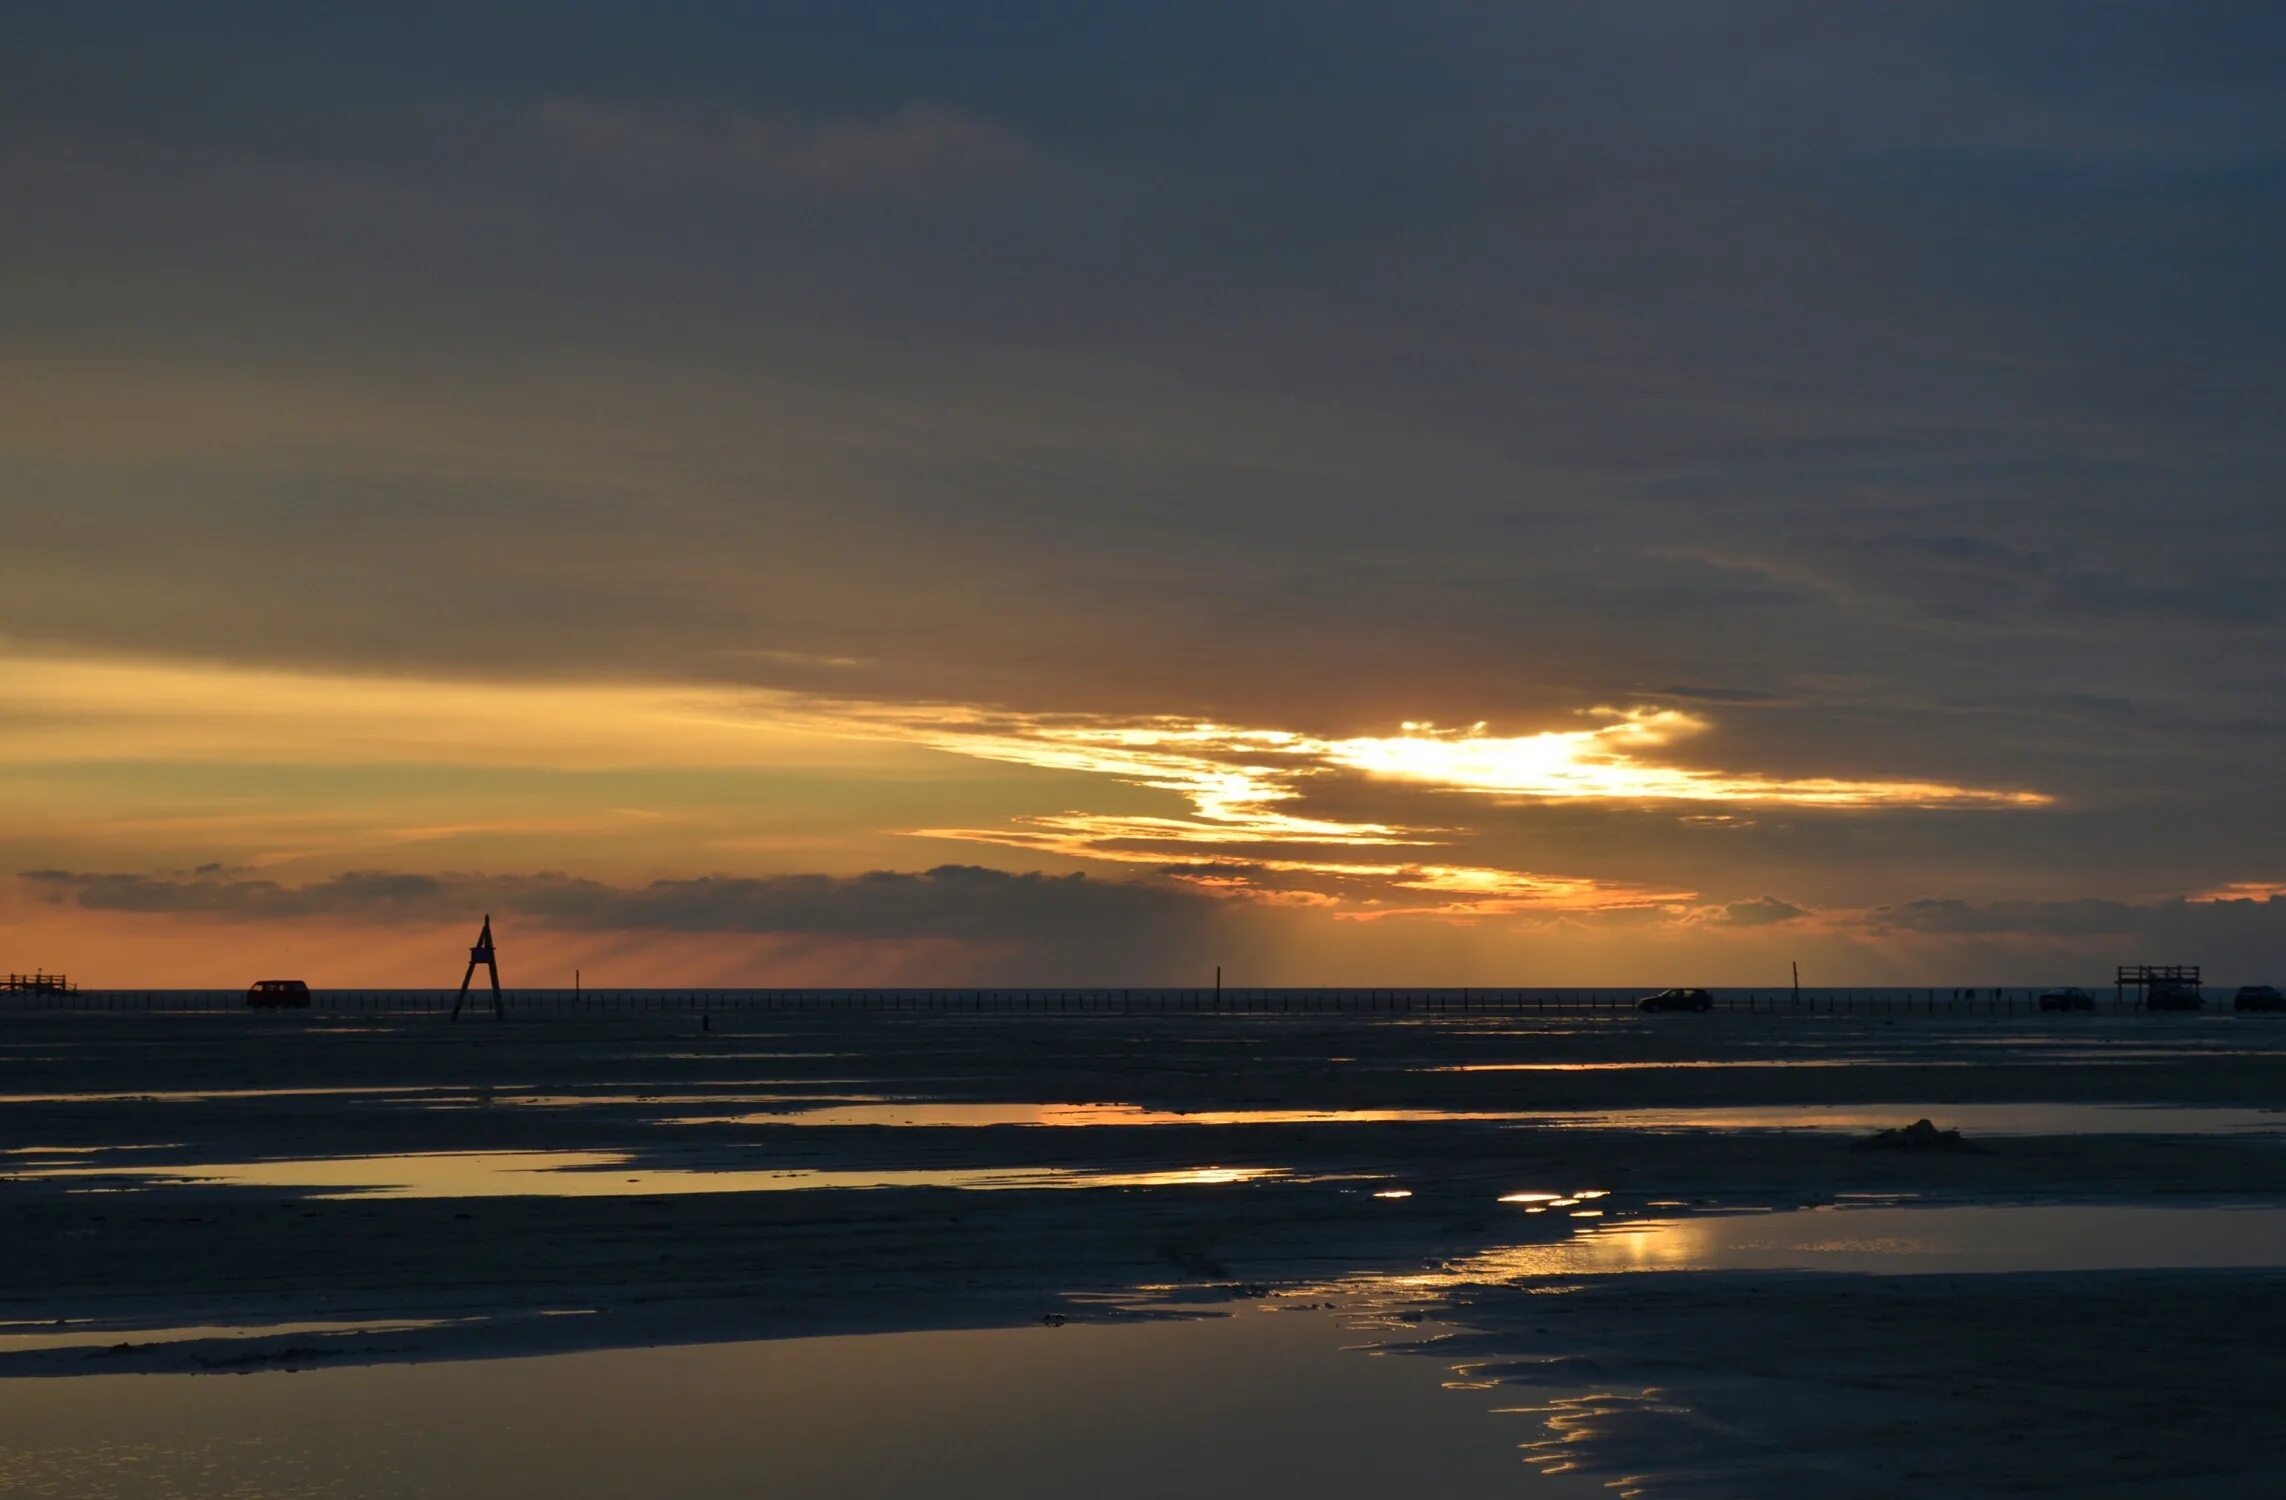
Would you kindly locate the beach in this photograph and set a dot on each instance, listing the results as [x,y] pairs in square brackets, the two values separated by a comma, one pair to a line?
[1650,1252]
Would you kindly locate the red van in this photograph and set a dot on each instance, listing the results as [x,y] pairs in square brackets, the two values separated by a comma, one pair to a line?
[279,993]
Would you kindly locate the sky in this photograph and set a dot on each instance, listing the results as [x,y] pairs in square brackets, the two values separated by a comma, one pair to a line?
[1643,493]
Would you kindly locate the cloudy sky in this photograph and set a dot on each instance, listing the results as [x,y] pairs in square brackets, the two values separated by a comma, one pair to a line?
[1633,493]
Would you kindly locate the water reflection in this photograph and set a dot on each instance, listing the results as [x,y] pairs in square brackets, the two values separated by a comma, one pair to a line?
[1251,1405]
[1979,1238]
[1984,1119]
[606,1174]
[923,1112]
[1990,1119]
[1649,1066]
[94,1334]
[786,1093]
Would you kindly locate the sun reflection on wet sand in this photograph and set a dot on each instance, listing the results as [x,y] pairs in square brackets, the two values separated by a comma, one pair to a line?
[1992,1119]
[601,1174]
[1257,1402]
[93,1333]
[928,1113]
[1987,1119]
[1884,1239]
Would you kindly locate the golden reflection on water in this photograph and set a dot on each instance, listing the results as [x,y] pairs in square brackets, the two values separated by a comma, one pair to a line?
[1875,1236]
[602,1174]
[94,1333]
[985,1113]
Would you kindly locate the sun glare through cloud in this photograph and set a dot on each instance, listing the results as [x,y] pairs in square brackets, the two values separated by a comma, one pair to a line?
[1613,761]
[1246,820]
[1241,781]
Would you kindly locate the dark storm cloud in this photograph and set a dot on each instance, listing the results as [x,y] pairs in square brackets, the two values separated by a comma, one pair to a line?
[2232,940]
[1972,580]
[2026,918]
[1744,697]
[951,901]
[2244,938]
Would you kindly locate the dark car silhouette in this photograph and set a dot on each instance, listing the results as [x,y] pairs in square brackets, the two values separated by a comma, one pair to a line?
[2067,999]
[1677,1000]
[2258,997]
[275,994]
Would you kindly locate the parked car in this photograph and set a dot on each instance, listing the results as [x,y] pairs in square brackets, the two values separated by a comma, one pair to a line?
[1677,1000]
[273,994]
[2169,994]
[2071,998]
[2258,997]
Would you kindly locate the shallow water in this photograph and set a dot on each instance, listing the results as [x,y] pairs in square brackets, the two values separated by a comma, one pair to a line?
[1062,1116]
[95,1336]
[1261,1404]
[1991,1119]
[1975,1119]
[1109,1412]
[1899,1239]
[602,1174]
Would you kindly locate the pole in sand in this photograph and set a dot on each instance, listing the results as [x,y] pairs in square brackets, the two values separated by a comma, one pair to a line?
[481,953]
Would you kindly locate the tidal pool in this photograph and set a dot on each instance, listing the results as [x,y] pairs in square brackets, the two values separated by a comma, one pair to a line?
[1230,1408]
[1990,1119]
[97,1335]
[957,1113]
[1890,1239]
[1976,1119]
[600,1174]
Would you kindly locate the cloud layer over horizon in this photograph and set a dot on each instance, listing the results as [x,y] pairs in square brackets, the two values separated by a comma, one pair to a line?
[1807,460]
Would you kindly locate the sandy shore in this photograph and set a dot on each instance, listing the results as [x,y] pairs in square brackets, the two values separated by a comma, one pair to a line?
[2096,1385]
[2146,1381]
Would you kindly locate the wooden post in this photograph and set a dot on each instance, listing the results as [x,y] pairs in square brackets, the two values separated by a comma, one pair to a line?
[482,953]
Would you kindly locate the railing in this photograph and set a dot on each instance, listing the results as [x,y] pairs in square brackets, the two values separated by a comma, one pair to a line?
[590,1003]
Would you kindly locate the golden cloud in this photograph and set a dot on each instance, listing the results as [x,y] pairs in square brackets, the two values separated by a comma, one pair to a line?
[1244,828]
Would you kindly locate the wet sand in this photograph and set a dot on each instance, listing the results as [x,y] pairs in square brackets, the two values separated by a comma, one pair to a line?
[242,1174]
[2103,1384]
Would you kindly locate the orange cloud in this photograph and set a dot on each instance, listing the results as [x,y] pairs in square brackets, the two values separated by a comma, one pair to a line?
[1240,783]
[1245,790]
[2242,890]
[1612,762]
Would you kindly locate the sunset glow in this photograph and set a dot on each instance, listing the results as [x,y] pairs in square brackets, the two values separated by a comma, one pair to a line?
[1616,761]
[1242,823]
[709,713]
[1503,523]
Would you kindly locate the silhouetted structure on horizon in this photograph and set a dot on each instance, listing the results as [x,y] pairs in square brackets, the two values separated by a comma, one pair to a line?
[483,954]
[2159,986]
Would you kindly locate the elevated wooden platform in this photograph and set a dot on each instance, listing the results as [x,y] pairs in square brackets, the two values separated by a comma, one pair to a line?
[2148,980]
